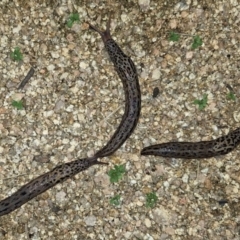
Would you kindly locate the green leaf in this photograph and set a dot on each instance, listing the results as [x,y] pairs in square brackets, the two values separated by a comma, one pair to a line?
[231,96]
[151,199]
[197,42]
[74,17]
[202,103]
[17,104]
[16,55]
[115,200]
[174,37]
[116,173]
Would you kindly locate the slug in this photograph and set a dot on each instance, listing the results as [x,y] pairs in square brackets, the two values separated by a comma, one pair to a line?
[127,72]
[197,150]
[44,182]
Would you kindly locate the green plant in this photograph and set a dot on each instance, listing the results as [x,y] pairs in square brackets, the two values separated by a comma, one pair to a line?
[151,199]
[74,17]
[231,96]
[115,200]
[174,37]
[17,104]
[16,55]
[197,42]
[202,103]
[116,173]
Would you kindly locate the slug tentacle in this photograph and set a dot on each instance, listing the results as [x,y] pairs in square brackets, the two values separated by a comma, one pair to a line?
[44,182]
[196,150]
[128,74]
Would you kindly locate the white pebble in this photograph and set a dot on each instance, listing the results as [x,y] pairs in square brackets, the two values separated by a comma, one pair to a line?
[185,178]
[83,65]
[204,170]
[48,113]
[64,75]
[156,74]
[192,76]
[189,55]
[76,125]
[148,223]
[54,54]
[123,17]
[144,4]
[17,29]
[166,184]
[50,67]
[90,220]
[60,196]
[181,6]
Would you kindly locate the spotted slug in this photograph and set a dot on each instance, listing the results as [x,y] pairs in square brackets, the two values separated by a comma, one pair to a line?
[127,72]
[44,182]
[195,150]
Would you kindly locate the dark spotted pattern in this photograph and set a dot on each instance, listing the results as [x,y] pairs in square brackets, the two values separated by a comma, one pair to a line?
[195,150]
[128,74]
[44,182]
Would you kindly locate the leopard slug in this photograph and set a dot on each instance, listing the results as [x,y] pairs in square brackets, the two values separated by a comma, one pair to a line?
[127,72]
[195,150]
[44,182]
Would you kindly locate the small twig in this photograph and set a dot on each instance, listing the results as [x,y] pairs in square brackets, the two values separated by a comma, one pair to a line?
[114,111]
[25,80]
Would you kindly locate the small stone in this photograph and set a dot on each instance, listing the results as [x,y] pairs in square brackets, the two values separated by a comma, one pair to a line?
[50,67]
[173,24]
[90,220]
[60,196]
[181,6]
[192,76]
[144,4]
[156,74]
[55,54]
[83,65]
[189,55]
[185,178]
[17,29]
[148,223]
[124,17]
[60,104]
[17,96]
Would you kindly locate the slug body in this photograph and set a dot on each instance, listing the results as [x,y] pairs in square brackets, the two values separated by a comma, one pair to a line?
[44,182]
[128,74]
[196,150]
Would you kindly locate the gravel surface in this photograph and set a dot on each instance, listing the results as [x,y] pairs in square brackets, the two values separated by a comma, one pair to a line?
[74,102]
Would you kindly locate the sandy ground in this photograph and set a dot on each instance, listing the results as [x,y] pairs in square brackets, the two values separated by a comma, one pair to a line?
[75,101]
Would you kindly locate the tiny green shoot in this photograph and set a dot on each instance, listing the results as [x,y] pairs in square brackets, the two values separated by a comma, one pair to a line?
[116,173]
[174,37]
[74,17]
[16,55]
[202,103]
[151,199]
[17,104]
[231,96]
[197,42]
[115,200]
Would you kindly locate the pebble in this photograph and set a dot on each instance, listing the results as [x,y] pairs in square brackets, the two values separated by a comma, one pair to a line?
[60,196]
[90,220]
[189,55]
[185,178]
[144,4]
[148,223]
[156,74]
